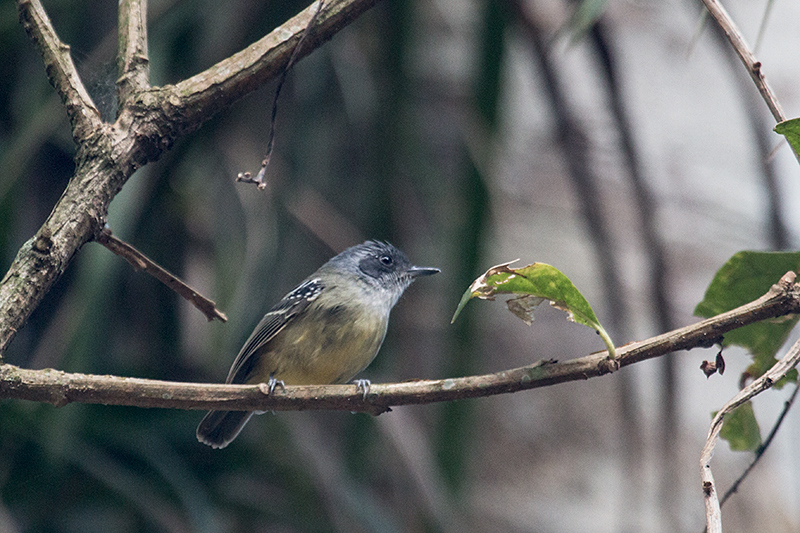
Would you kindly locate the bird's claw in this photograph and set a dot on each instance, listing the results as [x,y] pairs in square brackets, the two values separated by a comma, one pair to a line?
[273,383]
[362,385]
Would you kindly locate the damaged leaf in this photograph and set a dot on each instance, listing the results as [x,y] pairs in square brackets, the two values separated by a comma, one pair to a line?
[524,306]
[532,285]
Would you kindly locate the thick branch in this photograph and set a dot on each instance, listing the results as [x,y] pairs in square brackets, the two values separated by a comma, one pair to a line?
[160,115]
[133,63]
[61,71]
[79,213]
[61,388]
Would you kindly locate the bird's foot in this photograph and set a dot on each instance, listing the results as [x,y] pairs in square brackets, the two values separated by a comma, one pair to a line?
[273,383]
[362,385]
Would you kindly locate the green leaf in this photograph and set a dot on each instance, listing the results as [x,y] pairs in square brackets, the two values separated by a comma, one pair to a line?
[532,285]
[791,130]
[740,429]
[745,277]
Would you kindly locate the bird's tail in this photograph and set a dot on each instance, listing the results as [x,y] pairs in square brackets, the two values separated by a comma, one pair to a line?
[219,428]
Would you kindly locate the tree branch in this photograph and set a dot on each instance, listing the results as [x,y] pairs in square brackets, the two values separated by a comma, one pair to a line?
[139,261]
[60,388]
[752,65]
[201,96]
[133,63]
[766,381]
[61,71]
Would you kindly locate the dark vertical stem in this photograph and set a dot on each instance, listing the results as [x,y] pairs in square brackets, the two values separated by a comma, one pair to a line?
[575,143]
[659,279]
[455,423]
[777,233]
[646,205]
[392,123]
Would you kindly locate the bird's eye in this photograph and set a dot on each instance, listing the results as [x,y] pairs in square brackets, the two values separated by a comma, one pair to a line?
[385,260]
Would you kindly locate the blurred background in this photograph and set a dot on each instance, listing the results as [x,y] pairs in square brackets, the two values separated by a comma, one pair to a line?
[630,151]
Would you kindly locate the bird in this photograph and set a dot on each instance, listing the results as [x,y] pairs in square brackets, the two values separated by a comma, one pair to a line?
[325,331]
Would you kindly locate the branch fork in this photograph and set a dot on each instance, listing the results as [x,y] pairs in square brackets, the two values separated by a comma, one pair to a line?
[149,121]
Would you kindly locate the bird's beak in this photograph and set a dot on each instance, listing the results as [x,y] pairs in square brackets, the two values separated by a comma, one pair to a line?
[416,271]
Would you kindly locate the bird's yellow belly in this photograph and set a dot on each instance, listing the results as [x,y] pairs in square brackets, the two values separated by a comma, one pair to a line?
[329,349]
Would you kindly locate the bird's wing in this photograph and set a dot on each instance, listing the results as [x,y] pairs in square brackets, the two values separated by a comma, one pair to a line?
[273,322]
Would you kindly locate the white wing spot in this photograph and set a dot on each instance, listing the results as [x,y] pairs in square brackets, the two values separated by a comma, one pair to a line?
[309,290]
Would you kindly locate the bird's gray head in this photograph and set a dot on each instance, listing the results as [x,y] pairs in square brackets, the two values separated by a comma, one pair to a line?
[381,266]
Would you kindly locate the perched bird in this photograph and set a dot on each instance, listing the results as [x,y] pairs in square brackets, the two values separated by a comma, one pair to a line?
[327,330]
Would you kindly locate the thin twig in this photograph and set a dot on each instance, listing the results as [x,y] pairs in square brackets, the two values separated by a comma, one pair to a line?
[246,177]
[753,66]
[762,28]
[139,261]
[763,448]
[60,388]
[766,381]
[206,93]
